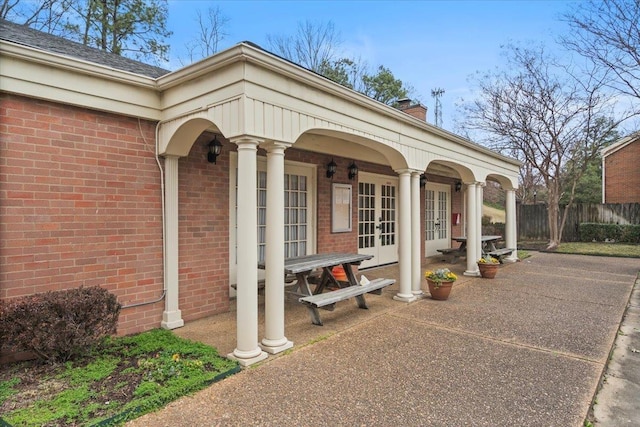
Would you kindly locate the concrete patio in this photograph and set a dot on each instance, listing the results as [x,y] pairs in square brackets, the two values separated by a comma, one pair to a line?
[526,348]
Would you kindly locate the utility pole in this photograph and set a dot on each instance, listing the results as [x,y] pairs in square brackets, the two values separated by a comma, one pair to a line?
[437,93]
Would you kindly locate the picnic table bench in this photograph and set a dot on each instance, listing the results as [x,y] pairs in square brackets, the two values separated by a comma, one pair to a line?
[328,300]
[453,253]
[500,253]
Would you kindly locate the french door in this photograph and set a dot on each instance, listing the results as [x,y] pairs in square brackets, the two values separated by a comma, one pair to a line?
[437,225]
[377,219]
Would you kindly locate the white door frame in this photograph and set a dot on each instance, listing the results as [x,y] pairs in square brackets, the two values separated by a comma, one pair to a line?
[433,220]
[382,253]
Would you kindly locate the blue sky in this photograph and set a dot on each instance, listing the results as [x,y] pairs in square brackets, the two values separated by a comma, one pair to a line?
[426,44]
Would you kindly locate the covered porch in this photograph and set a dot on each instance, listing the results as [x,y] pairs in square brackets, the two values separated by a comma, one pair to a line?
[260,104]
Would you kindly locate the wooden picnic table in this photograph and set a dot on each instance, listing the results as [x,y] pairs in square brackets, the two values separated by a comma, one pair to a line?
[303,266]
[488,246]
[488,242]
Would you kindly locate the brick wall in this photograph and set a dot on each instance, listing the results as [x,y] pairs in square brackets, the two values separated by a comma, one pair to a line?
[204,231]
[622,175]
[79,205]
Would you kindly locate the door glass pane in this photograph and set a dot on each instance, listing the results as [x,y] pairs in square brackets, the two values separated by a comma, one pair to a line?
[296,215]
[443,218]
[262,214]
[366,211]
[387,214]
[429,208]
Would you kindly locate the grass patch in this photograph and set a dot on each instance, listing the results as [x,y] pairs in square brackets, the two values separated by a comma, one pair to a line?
[122,379]
[584,248]
[523,254]
[603,249]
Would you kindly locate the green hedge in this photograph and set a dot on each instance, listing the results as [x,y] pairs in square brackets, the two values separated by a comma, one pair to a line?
[627,233]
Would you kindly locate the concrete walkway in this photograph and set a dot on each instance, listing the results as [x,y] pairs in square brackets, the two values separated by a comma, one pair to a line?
[527,348]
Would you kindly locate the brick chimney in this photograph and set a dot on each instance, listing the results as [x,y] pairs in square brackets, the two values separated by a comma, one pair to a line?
[418,111]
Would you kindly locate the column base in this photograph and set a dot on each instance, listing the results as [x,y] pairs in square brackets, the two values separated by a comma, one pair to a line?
[509,260]
[405,297]
[418,292]
[247,361]
[275,347]
[472,273]
[172,320]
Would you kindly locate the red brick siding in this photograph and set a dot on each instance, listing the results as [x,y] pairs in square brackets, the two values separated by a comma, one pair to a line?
[204,231]
[622,175]
[80,205]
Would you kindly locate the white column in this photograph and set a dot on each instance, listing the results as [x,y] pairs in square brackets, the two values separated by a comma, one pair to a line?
[404,228]
[416,237]
[472,239]
[511,230]
[274,340]
[172,316]
[247,351]
[479,206]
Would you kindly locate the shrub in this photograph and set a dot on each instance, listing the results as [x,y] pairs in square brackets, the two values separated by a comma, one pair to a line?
[630,234]
[59,325]
[626,233]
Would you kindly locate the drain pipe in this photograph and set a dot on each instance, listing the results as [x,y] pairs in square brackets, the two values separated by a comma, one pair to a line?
[162,202]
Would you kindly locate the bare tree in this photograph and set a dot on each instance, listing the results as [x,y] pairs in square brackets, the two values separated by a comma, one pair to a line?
[313,46]
[211,31]
[541,111]
[607,32]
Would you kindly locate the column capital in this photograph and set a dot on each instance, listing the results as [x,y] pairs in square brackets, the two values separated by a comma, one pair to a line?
[274,146]
[246,141]
[406,171]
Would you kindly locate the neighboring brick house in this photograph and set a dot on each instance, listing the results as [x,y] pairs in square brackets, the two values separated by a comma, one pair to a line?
[621,171]
[105,179]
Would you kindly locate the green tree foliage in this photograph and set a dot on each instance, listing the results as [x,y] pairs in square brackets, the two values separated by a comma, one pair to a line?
[133,28]
[383,86]
[582,174]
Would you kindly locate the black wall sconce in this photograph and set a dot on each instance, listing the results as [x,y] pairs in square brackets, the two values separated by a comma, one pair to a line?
[353,170]
[331,169]
[423,180]
[458,186]
[214,149]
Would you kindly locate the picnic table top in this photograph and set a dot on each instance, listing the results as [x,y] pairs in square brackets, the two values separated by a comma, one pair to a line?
[309,262]
[487,238]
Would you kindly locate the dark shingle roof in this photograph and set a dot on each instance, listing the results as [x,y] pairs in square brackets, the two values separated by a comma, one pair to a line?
[26,36]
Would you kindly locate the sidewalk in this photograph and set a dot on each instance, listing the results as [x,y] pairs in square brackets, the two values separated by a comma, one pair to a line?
[527,348]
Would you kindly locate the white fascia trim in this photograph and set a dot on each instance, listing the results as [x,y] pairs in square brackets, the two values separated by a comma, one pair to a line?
[70,90]
[264,59]
[621,143]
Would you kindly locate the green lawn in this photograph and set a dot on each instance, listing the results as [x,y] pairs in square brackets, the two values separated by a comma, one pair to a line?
[582,248]
[604,249]
[122,379]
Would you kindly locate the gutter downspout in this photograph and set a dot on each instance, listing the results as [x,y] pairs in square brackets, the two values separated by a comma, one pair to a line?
[162,202]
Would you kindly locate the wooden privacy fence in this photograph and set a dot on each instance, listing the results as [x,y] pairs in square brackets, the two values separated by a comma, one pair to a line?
[533,223]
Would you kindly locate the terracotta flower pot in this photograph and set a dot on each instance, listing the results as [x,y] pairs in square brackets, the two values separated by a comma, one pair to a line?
[439,292]
[488,270]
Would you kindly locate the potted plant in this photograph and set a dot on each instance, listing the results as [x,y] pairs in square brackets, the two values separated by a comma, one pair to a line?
[488,266]
[440,282]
